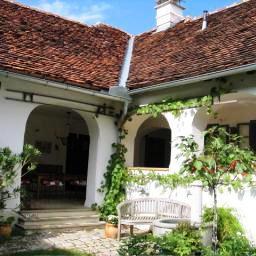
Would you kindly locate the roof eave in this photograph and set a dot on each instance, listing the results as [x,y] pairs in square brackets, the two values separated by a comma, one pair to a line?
[64,86]
[194,79]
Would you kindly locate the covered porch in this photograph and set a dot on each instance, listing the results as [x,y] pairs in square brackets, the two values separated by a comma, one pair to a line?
[235,112]
[60,179]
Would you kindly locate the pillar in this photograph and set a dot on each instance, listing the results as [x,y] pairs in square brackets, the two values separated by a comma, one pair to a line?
[103,133]
[14,116]
[187,124]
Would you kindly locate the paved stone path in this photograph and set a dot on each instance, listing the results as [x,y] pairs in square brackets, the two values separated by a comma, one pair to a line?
[87,241]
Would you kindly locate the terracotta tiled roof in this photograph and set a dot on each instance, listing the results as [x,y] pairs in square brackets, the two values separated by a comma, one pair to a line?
[186,51]
[47,46]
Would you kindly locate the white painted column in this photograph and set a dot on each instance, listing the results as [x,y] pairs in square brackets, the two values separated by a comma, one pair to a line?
[186,125]
[14,117]
[103,133]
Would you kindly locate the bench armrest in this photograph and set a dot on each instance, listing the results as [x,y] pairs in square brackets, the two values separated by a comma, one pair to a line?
[124,209]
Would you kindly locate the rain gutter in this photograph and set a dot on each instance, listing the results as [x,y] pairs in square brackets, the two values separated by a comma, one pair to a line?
[195,79]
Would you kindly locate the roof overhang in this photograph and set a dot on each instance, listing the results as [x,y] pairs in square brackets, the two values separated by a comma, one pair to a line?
[195,79]
[64,86]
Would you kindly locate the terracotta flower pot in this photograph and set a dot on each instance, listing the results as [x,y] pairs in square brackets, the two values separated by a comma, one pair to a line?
[111,231]
[5,230]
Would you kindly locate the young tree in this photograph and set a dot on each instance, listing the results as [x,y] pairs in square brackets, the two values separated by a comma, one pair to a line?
[10,163]
[222,163]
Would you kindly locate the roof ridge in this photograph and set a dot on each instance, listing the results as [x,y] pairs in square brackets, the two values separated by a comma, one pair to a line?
[33,8]
[189,19]
[186,51]
[218,10]
[111,26]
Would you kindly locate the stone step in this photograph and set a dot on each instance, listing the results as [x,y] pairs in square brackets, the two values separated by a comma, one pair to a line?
[84,209]
[55,219]
[57,213]
[58,219]
[70,225]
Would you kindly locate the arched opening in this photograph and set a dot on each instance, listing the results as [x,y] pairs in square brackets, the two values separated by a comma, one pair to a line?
[60,179]
[235,113]
[153,144]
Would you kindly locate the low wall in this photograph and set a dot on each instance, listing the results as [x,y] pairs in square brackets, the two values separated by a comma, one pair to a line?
[243,202]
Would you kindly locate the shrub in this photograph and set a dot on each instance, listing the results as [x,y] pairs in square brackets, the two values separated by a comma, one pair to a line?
[139,245]
[237,245]
[228,224]
[185,240]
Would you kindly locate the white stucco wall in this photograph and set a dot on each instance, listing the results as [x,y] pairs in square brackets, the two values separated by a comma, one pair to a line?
[12,128]
[182,126]
[102,129]
[244,206]
[193,122]
[103,134]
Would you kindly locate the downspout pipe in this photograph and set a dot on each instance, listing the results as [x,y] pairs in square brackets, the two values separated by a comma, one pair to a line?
[127,63]
[64,86]
[121,89]
[195,79]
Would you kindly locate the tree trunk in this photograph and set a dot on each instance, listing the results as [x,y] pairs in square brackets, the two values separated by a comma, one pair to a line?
[215,223]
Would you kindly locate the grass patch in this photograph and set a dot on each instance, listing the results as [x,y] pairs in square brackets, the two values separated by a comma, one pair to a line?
[55,252]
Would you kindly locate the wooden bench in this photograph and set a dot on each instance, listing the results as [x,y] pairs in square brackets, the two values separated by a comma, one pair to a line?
[146,210]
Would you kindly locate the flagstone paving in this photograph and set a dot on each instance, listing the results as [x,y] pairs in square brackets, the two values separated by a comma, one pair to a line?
[86,241]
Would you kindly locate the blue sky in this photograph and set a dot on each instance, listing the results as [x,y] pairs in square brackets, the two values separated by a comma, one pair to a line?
[133,16]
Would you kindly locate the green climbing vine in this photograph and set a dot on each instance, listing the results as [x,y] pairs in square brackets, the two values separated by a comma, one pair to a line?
[170,181]
[176,107]
[115,179]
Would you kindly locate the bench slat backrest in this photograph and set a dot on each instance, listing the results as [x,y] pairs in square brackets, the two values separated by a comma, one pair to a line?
[160,208]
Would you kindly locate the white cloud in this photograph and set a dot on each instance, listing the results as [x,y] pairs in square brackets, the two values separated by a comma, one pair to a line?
[86,14]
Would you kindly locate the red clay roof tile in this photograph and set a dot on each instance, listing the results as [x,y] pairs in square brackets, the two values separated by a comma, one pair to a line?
[186,51]
[47,46]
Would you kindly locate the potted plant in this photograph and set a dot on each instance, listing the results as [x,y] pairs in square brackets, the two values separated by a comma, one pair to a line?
[111,229]
[6,226]
[10,164]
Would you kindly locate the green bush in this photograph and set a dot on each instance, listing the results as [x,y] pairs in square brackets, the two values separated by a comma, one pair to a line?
[228,224]
[139,245]
[183,241]
[237,245]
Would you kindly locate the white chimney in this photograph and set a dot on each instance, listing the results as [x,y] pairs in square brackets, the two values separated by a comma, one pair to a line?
[168,13]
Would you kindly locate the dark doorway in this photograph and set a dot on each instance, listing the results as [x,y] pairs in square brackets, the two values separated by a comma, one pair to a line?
[157,149]
[77,154]
[154,152]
